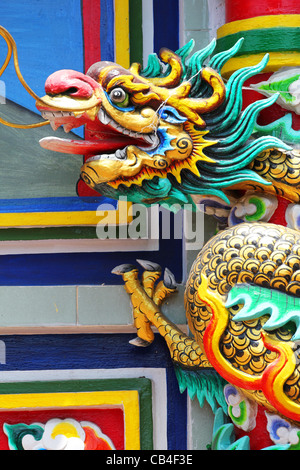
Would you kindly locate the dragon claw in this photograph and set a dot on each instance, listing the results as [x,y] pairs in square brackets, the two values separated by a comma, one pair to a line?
[169,279]
[145,295]
[140,342]
[149,265]
[123,268]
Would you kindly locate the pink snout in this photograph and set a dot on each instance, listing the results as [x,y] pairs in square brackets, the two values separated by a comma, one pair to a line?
[71,83]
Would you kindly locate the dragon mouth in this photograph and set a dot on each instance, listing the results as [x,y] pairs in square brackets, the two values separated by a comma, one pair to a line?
[108,139]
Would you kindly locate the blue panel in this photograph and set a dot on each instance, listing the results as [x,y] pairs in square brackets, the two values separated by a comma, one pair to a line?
[107,32]
[166,24]
[48,35]
[82,268]
[64,352]
[87,268]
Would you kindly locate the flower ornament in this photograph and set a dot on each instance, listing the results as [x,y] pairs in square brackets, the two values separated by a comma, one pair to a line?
[241,410]
[57,434]
[282,432]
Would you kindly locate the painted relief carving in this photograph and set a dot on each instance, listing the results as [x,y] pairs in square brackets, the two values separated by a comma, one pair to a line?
[57,434]
[192,136]
[83,415]
[242,307]
[177,132]
[161,136]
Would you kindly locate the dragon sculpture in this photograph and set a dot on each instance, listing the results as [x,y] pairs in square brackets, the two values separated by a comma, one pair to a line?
[177,132]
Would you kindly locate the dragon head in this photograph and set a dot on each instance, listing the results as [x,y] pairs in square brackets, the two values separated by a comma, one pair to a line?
[164,133]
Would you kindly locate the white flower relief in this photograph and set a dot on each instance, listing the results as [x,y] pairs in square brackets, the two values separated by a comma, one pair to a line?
[59,434]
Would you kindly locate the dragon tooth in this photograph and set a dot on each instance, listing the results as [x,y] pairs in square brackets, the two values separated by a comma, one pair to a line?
[148,138]
[116,126]
[133,134]
[95,157]
[67,128]
[121,154]
[103,117]
[78,114]
[47,115]
[151,139]
[54,125]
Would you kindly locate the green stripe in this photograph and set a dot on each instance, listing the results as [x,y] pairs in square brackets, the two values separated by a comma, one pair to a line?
[262,40]
[136,31]
[55,233]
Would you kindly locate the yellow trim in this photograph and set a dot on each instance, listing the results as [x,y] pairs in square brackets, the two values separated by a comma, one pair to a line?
[39,219]
[274,387]
[127,399]
[259,22]
[276,61]
[122,33]
[63,219]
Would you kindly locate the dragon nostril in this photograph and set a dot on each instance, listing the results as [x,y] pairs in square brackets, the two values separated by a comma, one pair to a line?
[70,91]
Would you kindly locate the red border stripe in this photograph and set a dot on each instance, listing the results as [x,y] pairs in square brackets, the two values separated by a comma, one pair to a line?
[243,9]
[91,17]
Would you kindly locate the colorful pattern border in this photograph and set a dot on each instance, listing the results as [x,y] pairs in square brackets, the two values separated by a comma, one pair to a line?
[62,212]
[127,399]
[263,40]
[276,59]
[134,396]
[261,22]
[67,356]
[262,35]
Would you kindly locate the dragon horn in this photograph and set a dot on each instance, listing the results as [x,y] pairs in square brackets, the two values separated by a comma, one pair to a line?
[204,105]
[173,79]
[192,108]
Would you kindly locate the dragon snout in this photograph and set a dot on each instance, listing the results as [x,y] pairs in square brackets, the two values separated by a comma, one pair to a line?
[68,90]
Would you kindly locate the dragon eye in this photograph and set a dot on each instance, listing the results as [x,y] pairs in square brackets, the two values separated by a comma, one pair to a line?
[119,97]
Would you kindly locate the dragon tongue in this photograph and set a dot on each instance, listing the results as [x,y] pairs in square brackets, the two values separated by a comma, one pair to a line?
[81,147]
